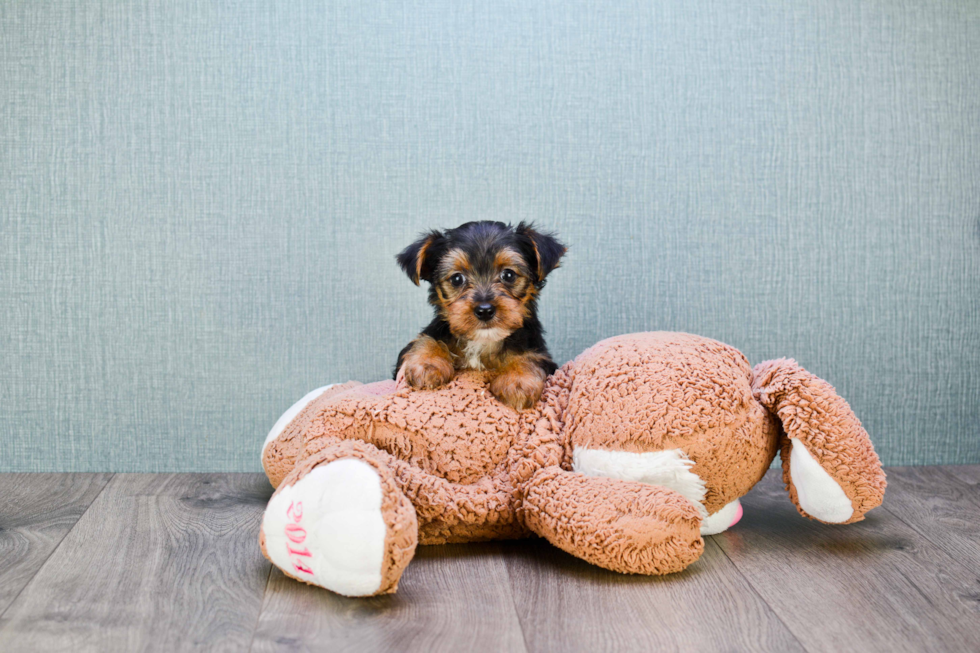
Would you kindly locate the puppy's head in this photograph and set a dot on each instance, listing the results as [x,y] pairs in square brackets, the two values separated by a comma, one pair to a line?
[484,276]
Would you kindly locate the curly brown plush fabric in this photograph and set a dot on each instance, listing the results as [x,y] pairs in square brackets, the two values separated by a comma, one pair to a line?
[281,454]
[811,410]
[655,391]
[624,526]
[647,409]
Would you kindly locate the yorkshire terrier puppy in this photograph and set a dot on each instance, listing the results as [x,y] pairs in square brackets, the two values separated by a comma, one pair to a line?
[484,279]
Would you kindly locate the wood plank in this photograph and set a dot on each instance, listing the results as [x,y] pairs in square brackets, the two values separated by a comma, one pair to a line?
[877,585]
[158,562]
[941,507]
[36,512]
[968,474]
[450,598]
[566,604]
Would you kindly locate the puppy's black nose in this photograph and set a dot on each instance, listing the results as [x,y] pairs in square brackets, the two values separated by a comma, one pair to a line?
[484,312]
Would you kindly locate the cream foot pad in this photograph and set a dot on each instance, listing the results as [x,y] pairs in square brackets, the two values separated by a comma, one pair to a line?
[328,529]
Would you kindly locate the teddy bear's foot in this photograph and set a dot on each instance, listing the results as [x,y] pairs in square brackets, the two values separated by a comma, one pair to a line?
[722,520]
[342,525]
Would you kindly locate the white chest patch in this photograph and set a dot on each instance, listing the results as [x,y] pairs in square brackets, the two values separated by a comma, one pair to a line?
[669,468]
[487,343]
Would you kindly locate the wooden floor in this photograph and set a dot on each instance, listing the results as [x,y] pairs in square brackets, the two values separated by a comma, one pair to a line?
[133,562]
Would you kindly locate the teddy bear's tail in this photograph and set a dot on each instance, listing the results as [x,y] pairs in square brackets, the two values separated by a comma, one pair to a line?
[830,468]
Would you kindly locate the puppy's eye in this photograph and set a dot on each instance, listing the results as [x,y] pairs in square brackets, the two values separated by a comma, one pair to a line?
[457,280]
[508,276]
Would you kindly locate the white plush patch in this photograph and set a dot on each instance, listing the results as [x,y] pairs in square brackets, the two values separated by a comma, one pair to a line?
[721,520]
[667,468]
[327,528]
[819,494]
[291,414]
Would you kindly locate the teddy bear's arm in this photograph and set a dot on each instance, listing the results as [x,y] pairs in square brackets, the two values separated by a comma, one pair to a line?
[623,526]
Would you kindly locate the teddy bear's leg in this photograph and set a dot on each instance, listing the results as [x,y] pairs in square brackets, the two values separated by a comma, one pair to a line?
[284,444]
[276,431]
[485,509]
[624,526]
[338,520]
[829,464]
[410,497]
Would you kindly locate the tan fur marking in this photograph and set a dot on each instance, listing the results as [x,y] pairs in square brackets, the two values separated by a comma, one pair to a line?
[462,321]
[508,258]
[428,364]
[537,255]
[420,260]
[530,293]
[510,313]
[454,260]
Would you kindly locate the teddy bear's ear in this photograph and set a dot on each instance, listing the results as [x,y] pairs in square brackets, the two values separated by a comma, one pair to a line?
[542,250]
[418,260]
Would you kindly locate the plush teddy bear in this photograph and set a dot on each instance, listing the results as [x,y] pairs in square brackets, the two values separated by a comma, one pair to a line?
[637,449]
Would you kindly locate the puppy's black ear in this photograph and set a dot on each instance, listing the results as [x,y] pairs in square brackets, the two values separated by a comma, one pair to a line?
[418,260]
[542,250]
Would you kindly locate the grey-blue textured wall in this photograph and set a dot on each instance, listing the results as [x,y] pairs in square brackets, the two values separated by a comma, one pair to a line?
[201,201]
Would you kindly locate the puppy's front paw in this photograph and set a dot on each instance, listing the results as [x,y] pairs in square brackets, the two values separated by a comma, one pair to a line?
[517,388]
[427,364]
[428,374]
